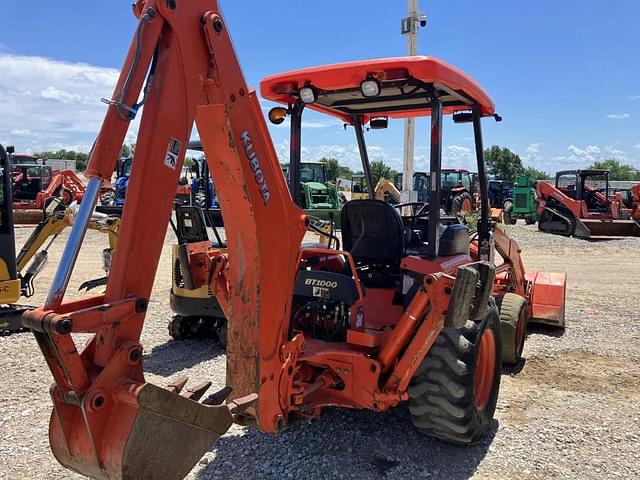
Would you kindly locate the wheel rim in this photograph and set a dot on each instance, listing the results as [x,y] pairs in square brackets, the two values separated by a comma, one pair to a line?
[485,369]
[466,206]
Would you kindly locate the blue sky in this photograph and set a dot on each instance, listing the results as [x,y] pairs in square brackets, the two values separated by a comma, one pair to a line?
[565,75]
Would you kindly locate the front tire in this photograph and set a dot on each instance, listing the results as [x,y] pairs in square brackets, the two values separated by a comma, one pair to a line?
[453,394]
[514,315]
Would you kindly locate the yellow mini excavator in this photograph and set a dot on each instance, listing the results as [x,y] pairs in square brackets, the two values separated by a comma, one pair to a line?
[16,274]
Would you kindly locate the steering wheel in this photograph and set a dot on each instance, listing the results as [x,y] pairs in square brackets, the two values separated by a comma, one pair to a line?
[418,210]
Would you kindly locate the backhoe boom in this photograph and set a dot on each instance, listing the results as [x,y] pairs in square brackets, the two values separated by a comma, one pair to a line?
[105,416]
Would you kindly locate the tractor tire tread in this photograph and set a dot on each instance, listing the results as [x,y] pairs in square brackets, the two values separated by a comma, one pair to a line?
[441,394]
[510,305]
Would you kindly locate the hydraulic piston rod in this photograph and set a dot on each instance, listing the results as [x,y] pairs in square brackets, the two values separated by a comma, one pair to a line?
[72,248]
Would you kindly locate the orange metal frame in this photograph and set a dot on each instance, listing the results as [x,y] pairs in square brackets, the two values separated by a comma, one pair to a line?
[65,179]
[577,207]
[279,88]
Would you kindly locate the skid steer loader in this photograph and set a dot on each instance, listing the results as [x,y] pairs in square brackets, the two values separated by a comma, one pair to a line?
[402,311]
[580,204]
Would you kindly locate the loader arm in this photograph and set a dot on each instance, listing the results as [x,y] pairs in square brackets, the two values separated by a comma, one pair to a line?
[386,187]
[107,422]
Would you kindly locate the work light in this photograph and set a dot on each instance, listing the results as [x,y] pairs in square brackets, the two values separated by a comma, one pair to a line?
[370,88]
[308,95]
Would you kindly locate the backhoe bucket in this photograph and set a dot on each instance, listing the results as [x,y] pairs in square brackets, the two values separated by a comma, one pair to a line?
[590,228]
[547,297]
[159,435]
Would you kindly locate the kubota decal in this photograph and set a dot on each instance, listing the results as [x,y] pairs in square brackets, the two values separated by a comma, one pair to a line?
[254,162]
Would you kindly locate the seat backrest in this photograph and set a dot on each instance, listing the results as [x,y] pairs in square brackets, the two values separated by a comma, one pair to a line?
[373,232]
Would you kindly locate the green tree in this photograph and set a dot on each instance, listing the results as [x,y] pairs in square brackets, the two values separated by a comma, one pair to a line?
[617,170]
[80,158]
[345,172]
[331,167]
[504,164]
[380,170]
[334,170]
[534,174]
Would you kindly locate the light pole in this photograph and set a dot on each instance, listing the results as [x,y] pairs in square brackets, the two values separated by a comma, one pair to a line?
[409,28]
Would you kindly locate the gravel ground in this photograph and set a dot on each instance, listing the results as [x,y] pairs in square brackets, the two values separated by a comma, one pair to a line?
[571,411]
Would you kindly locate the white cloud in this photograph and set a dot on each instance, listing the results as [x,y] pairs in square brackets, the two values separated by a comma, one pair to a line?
[458,156]
[637,146]
[583,157]
[618,116]
[49,104]
[633,97]
[21,132]
[4,47]
[534,148]
[347,155]
[53,93]
[593,150]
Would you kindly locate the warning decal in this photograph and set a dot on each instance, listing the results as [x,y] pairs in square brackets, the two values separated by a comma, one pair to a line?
[173,152]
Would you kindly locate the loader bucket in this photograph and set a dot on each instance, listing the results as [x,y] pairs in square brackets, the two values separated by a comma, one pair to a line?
[591,228]
[547,297]
[496,215]
[159,435]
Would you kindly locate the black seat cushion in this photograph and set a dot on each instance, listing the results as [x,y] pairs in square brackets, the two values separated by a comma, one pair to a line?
[373,232]
[454,240]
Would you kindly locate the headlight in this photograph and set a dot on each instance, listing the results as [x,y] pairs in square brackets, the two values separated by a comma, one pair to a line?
[370,88]
[308,95]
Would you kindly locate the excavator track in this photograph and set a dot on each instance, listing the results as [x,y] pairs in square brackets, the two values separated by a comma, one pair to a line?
[557,222]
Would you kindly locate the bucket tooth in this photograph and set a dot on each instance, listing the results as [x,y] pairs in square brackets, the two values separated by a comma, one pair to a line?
[239,405]
[196,393]
[177,385]
[218,397]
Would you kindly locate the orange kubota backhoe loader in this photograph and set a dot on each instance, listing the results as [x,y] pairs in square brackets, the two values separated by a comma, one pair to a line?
[369,326]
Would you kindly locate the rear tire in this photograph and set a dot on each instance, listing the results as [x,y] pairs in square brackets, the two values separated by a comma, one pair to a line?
[461,205]
[507,213]
[513,326]
[529,220]
[453,394]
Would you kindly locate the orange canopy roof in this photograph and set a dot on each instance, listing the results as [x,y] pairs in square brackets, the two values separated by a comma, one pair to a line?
[403,94]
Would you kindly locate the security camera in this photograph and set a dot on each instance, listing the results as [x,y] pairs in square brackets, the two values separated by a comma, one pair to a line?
[423,20]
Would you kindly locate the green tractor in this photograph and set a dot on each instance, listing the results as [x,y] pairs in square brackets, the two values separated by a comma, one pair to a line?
[318,197]
[524,201]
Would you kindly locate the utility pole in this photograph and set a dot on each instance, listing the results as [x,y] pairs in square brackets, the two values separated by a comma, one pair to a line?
[409,28]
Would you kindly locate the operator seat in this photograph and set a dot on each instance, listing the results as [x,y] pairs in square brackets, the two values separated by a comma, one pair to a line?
[374,234]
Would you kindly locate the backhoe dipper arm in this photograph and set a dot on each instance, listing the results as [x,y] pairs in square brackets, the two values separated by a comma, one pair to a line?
[107,422]
[50,227]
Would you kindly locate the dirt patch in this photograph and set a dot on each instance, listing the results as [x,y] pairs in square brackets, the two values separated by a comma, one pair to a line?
[584,372]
